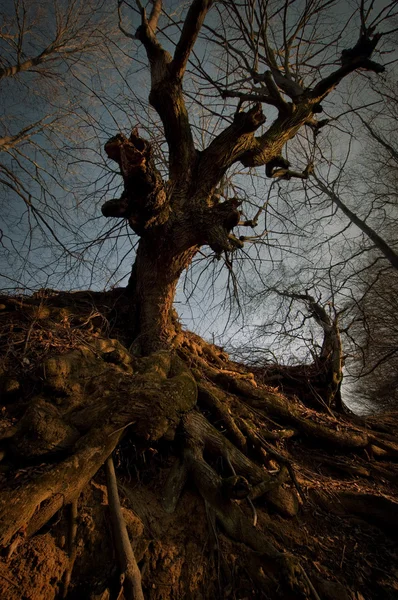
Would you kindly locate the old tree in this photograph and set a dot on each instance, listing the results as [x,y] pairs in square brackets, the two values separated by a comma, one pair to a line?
[233,482]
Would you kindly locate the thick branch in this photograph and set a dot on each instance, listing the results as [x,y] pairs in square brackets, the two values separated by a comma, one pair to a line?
[10,141]
[144,200]
[28,64]
[269,146]
[305,102]
[273,90]
[166,97]
[155,14]
[355,58]
[229,145]
[190,31]
[146,33]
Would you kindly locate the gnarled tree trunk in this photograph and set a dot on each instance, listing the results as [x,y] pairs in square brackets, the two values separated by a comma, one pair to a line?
[178,413]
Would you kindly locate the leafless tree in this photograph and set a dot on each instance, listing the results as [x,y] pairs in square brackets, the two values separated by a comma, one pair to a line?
[55,56]
[372,309]
[281,73]
[373,336]
[348,226]
[154,383]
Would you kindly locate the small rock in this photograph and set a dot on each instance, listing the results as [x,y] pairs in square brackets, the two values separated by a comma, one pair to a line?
[284,501]
[333,590]
[11,386]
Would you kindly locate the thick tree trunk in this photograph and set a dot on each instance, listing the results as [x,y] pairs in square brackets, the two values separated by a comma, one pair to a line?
[90,392]
[153,283]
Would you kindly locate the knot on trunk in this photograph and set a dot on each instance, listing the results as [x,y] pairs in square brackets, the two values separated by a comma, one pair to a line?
[144,199]
[249,121]
[219,222]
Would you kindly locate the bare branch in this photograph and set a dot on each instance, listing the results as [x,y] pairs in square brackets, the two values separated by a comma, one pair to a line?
[390,149]
[355,58]
[229,145]
[122,29]
[379,242]
[155,14]
[192,25]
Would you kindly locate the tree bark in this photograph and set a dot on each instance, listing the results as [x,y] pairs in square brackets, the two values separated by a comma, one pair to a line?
[153,283]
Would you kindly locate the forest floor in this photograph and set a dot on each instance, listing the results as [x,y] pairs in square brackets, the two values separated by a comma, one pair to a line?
[338,519]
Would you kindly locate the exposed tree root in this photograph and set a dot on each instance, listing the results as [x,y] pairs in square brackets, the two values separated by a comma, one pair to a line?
[245,447]
[45,494]
[232,520]
[377,510]
[327,430]
[216,405]
[176,481]
[130,576]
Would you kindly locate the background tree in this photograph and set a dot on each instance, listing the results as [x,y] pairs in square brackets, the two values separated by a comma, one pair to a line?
[348,229]
[55,59]
[373,314]
[374,340]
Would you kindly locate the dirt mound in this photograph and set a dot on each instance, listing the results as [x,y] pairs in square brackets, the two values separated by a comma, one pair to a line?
[228,487]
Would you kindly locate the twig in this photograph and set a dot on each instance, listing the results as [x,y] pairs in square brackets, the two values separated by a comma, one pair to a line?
[28,336]
[121,428]
[342,558]
[253,510]
[9,580]
[310,584]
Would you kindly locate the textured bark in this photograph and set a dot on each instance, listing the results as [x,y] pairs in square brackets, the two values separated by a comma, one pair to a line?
[101,392]
[175,219]
[152,285]
[221,441]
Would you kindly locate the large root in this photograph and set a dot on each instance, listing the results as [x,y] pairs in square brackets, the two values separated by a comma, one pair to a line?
[45,493]
[255,456]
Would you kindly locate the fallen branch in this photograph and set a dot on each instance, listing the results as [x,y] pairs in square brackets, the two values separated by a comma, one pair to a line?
[130,576]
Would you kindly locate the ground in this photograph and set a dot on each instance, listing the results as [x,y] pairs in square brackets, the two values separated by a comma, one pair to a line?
[230,488]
